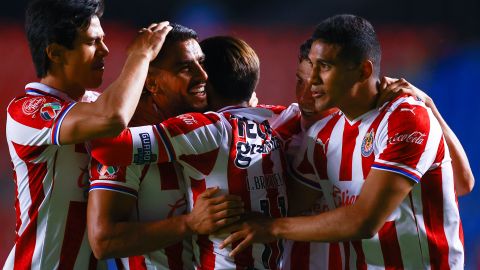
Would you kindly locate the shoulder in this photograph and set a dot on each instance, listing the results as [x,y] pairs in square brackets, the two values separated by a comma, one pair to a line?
[190,121]
[276,109]
[35,111]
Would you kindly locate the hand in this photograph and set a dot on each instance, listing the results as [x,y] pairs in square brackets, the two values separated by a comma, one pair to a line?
[255,228]
[390,88]
[150,40]
[212,213]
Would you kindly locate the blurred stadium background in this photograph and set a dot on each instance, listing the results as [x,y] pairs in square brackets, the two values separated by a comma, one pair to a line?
[435,44]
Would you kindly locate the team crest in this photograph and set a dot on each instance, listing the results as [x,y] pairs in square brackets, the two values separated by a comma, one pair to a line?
[50,110]
[106,172]
[32,105]
[367,144]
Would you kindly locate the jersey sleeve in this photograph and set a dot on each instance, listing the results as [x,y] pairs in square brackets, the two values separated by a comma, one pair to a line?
[187,134]
[122,179]
[409,141]
[36,120]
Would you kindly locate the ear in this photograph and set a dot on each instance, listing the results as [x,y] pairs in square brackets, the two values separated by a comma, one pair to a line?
[55,53]
[151,83]
[366,70]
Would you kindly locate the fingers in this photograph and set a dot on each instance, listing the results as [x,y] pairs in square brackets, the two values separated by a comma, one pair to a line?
[209,192]
[235,237]
[158,26]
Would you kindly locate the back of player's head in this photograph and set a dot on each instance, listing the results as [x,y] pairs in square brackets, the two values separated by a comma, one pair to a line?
[56,21]
[232,66]
[179,33]
[305,50]
[356,37]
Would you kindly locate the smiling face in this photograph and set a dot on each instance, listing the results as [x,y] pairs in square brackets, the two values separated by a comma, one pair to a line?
[178,80]
[83,65]
[332,77]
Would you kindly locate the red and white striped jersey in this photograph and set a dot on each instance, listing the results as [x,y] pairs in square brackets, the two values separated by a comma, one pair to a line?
[51,184]
[302,255]
[234,149]
[160,193]
[402,137]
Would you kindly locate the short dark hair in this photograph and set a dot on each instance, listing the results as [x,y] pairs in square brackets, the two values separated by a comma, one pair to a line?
[305,50]
[56,21]
[179,33]
[232,66]
[356,37]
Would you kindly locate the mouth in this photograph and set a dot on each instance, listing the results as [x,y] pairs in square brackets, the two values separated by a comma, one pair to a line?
[100,65]
[198,90]
[318,94]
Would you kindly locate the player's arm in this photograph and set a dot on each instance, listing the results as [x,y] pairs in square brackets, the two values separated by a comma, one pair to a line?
[112,111]
[113,235]
[463,175]
[188,134]
[382,193]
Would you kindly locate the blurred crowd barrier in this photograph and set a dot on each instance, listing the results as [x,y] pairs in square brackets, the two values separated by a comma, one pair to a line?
[429,57]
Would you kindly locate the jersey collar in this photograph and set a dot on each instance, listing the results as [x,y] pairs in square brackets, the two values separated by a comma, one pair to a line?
[40,89]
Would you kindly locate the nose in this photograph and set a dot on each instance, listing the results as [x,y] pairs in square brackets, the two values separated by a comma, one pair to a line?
[201,73]
[103,49]
[314,78]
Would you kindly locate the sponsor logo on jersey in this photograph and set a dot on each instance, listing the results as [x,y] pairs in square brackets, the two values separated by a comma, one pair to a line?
[187,119]
[251,131]
[323,145]
[50,110]
[367,143]
[343,197]
[106,172]
[144,154]
[415,137]
[32,105]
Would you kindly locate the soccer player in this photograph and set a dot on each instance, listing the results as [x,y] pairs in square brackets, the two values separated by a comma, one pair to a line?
[46,128]
[234,148]
[386,172]
[154,194]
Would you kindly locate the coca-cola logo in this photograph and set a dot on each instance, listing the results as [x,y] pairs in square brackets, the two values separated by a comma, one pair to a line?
[32,105]
[187,119]
[416,137]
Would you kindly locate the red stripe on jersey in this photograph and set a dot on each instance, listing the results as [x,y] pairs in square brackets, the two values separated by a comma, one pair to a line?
[168,176]
[186,123]
[136,263]
[392,256]
[236,186]
[350,134]
[300,256]
[74,231]
[440,152]
[28,153]
[432,202]
[334,257]
[361,264]
[276,109]
[346,250]
[321,147]
[174,256]
[26,244]
[113,151]
[203,163]
[408,131]
[207,255]
[272,250]
[289,128]
[144,172]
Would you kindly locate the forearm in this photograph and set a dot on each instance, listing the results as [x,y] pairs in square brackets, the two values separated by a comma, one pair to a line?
[463,175]
[123,239]
[333,226]
[120,99]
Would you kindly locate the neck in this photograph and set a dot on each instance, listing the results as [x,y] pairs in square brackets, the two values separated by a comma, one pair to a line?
[74,92]
[216,104]
[363,99]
